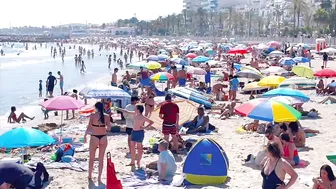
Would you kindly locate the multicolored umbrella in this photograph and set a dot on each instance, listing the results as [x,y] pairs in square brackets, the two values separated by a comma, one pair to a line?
[162,76]
[153,65]
[325,73]
[303,71]
[268,110]
[298,81]
[271,81]
[286,92]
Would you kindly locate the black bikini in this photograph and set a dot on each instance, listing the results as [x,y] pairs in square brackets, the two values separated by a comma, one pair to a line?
[98,136]
[271,181]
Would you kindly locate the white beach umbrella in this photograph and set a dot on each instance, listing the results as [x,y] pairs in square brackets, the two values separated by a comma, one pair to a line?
[328,50]
[275,53]
[249,74]
[297,81]
[274,70]
[101,91]
[196,70]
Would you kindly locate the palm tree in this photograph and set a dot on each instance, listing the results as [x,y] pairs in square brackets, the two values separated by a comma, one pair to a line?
[298,7]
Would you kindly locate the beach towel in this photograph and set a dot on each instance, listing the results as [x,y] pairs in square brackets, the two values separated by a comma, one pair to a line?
[79,166]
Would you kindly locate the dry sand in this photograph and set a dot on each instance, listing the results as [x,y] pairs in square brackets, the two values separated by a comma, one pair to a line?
[236,146]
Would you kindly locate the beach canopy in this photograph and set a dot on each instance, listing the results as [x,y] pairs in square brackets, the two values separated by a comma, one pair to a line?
[325,73]
[271,81]
[303,71]
[62,103]
[286,92]
[297,81]
[24,137]
[253,86]
[162,76]
[206,164]
[101,91]
[268,110]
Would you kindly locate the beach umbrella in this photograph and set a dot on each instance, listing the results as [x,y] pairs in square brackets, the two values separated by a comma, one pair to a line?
[301,59]
[191,55]
[179,61]
[274,70]
[286,92]
[23,137]
[268,110]
[287,100]
[249,74]
[303,71]
[250,68]
[325,73]
[162,57]
[101,91]
[328,50]
[237,51]
[62,103]
[162,52]
[253,86]
[196,71]
[153,65]
[200,59]
[211,62]
[262,46]
[136,65]
[271,81]
[333,84]
[287,61]
[237,66]
[153,58]
[275,53]
[303,45]
[274,44]
[297,81]
[162,76]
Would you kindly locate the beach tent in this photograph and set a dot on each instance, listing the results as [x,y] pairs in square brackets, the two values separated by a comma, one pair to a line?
[206,164]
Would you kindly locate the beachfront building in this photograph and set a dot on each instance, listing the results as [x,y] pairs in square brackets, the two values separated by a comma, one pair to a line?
[210,5]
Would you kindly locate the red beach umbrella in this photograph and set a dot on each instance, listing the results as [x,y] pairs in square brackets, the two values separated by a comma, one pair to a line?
[112,181]
[191,55]
[238,51]
[325,73]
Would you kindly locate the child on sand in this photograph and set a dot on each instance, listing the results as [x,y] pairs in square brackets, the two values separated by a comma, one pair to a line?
[138,133]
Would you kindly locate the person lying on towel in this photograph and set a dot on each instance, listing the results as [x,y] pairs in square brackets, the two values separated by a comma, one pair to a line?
[200,124]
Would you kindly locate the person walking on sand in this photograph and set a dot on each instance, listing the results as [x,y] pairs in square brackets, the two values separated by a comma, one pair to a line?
[169,112]
[325,59]
[51,82]
[129,119]
[114,78]
[99,125]
[61,81]
[182,75]
[138,133]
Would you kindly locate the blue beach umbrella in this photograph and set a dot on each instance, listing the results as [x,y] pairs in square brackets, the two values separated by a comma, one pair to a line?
[24,137]
[200,59]
[287,61]
[153,58]
[179,61]
[286,92]
[237,66]
[301,59]
[162,57]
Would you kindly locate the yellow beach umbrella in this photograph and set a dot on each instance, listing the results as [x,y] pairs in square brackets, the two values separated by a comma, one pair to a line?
[271,81]
[153,65]
[249,68]
[303,71]
[253,87]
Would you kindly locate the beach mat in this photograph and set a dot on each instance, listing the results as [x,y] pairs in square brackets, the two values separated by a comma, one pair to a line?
[188,111]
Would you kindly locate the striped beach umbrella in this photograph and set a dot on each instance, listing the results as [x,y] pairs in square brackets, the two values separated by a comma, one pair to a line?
[162,76]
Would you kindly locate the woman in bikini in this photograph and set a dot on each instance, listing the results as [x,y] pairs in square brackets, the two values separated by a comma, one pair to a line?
[12,118]
[327,179]
[149,102]
[99,124]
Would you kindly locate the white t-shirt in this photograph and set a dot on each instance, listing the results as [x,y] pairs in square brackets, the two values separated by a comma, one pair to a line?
[129,118]
[168,158]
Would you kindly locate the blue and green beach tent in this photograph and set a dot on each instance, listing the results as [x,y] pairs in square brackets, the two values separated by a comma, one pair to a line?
[206,164]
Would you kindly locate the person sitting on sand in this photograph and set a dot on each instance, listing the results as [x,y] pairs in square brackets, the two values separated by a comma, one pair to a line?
[290,152]
[326,180]
[228,110]
[298,135]
[319,87]
[269,134]
[252,126]
[329,90]
[275,169]
[12,118]
[165,165]
[200,124]
[99,125]
[45,111]
[138,133]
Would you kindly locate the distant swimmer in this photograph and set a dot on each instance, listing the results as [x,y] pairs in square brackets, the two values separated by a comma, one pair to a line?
[61,81]
[83,67]
[40,88]
[76,59]
[114,57]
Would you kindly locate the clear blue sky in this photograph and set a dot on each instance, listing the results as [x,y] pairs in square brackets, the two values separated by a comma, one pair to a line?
[55,12]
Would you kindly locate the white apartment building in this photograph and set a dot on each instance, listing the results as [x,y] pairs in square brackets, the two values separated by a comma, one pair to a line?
[212,5]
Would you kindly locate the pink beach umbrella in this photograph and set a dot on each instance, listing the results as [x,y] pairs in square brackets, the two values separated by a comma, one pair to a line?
[62,103]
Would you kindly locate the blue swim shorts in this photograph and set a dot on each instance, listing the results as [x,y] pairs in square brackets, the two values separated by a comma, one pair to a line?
[138,136]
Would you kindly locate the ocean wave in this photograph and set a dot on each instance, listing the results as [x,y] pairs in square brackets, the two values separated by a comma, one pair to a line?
[17,63]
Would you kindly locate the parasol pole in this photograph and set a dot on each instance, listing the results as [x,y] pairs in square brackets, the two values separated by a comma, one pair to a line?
[61,127]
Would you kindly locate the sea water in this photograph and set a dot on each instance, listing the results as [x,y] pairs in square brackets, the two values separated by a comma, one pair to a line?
[21,70]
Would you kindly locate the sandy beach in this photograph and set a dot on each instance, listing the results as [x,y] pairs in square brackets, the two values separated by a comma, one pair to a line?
[237,147]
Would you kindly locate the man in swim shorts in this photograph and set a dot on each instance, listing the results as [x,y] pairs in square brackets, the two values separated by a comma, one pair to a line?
[234,84]
[182,74]
[51,82]
[61,81]
[114,78]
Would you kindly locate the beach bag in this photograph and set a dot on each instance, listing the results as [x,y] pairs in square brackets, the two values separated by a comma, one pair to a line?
[112,182]
[260,156]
